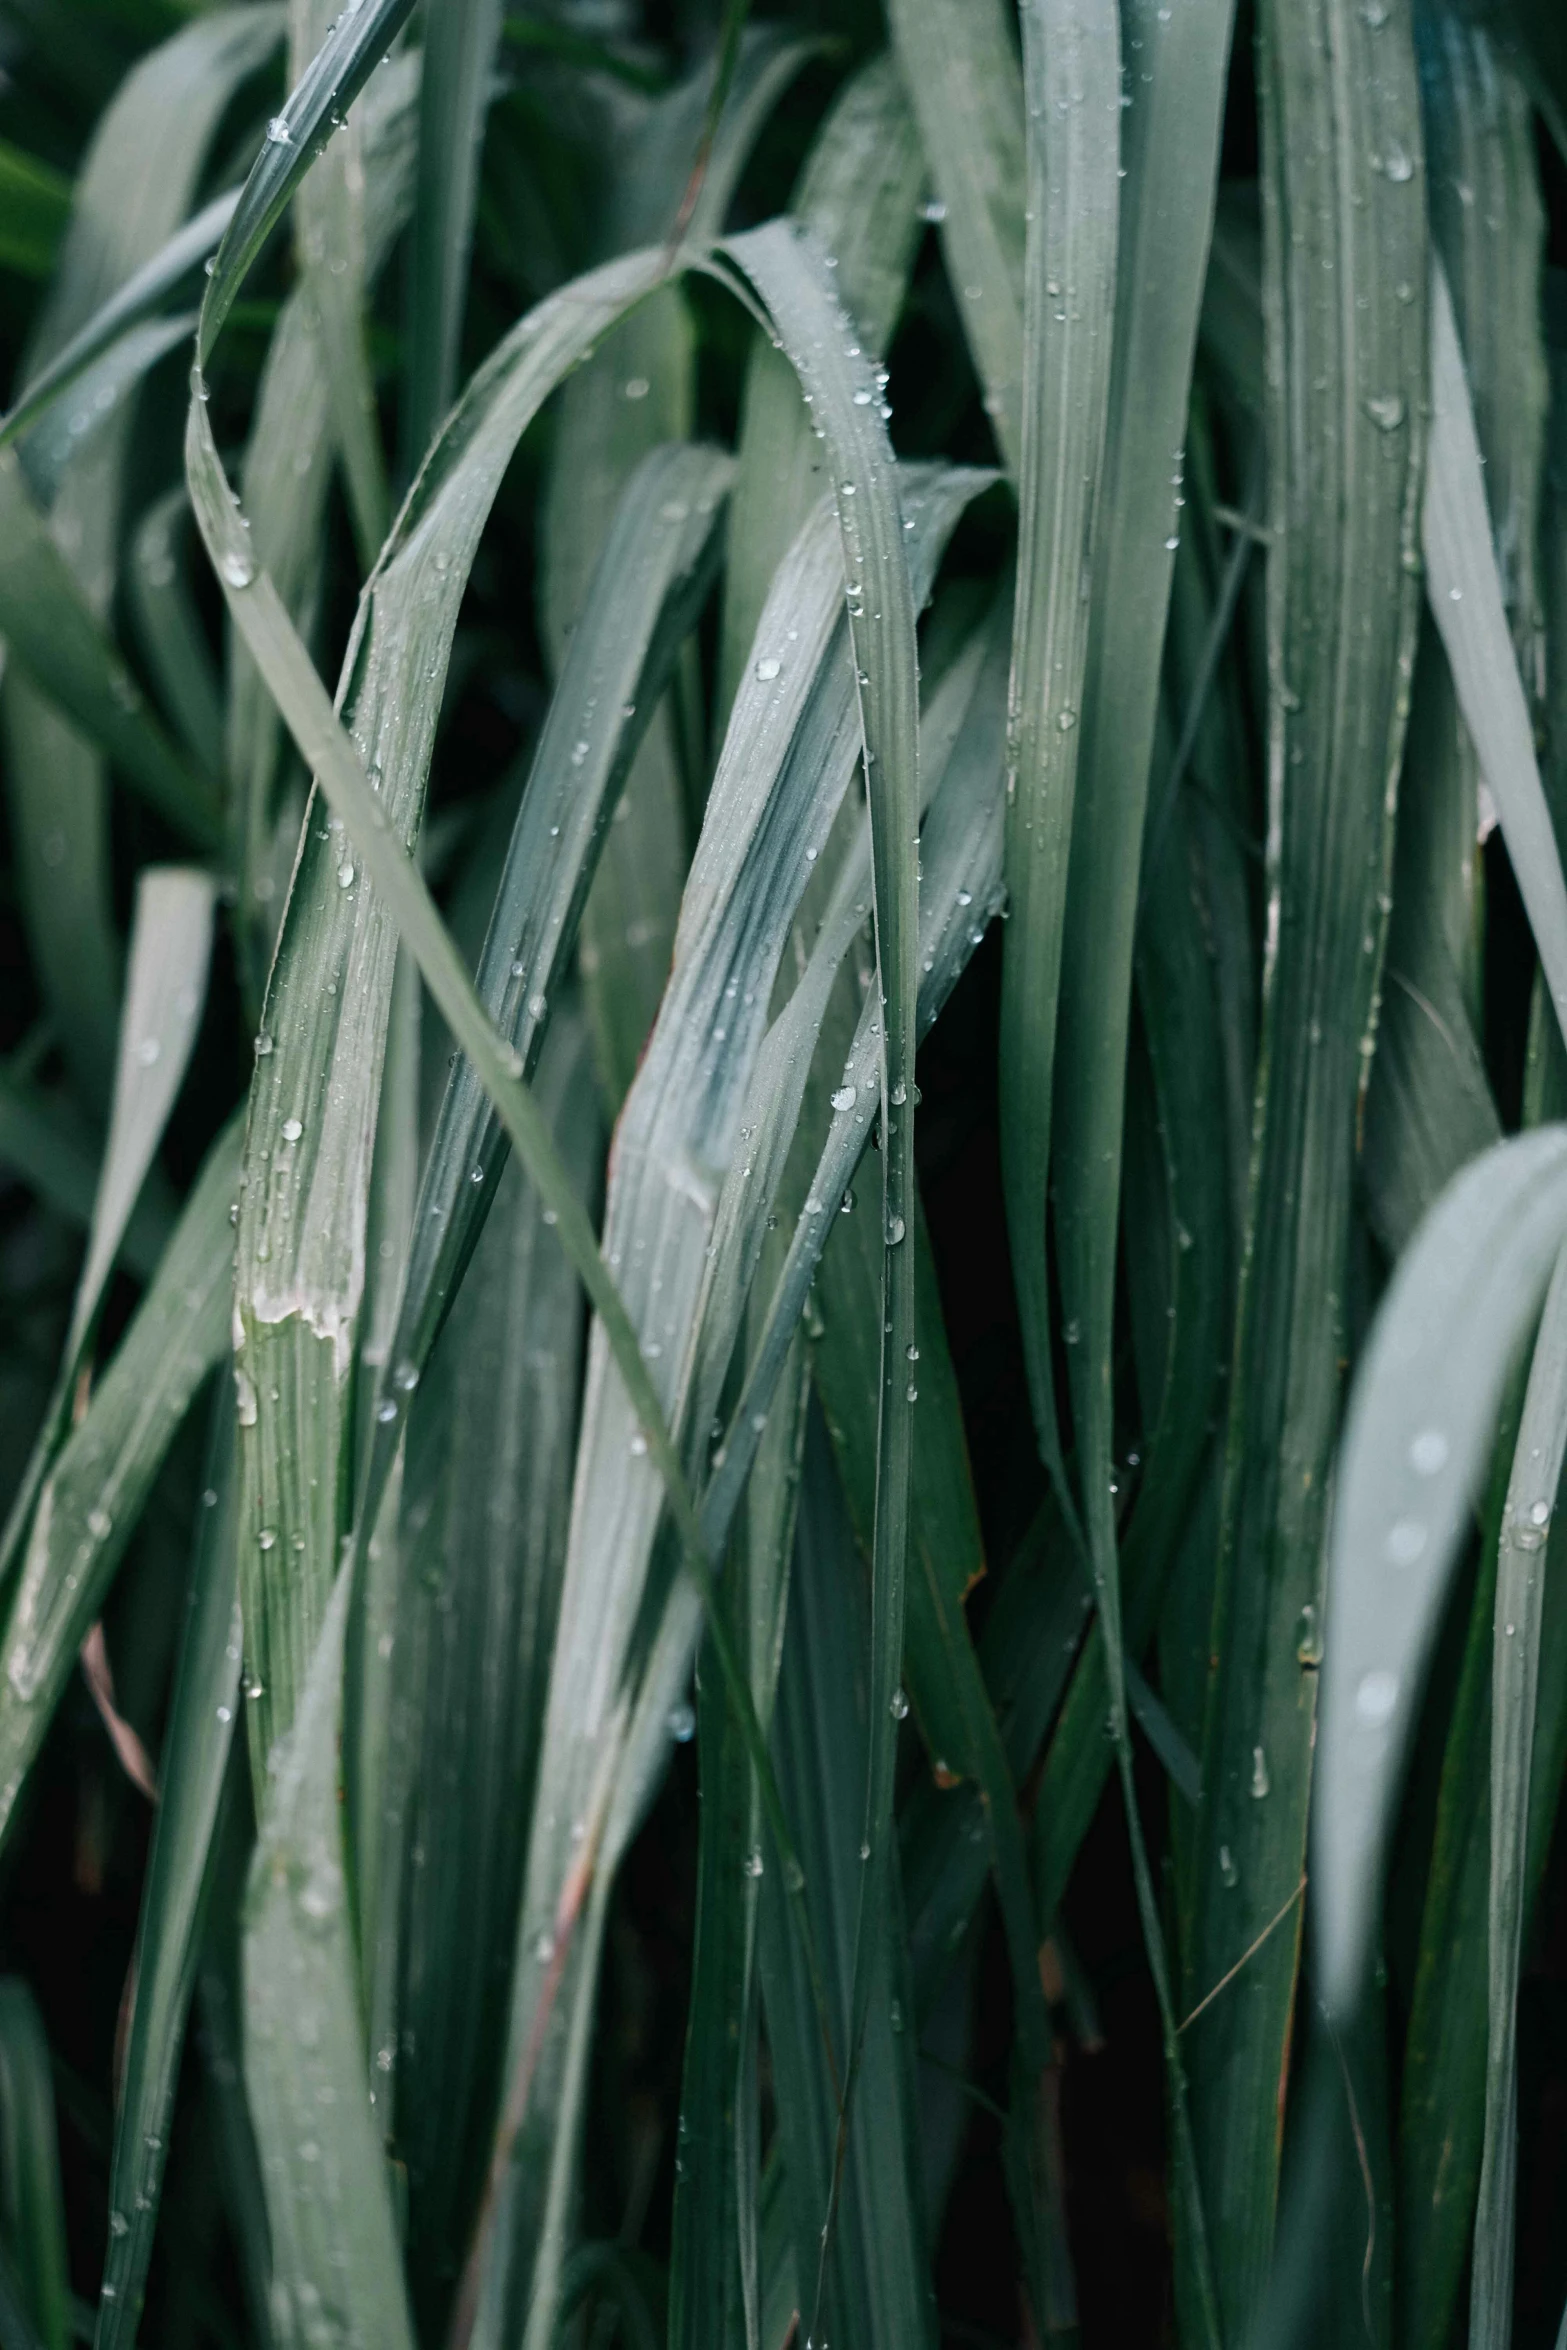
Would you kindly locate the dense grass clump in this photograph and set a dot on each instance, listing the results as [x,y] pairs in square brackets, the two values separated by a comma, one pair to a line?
[783,1157]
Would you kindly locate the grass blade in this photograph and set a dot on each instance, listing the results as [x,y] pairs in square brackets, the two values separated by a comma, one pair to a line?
[859,193]
[141,296]
[715,2257]
[1531,1497]
[316,105]
[195,1755]
[35,203]
[960,70]
[1465,589]
[638,391]
[32,2209]
[66,653]
[1072,76]
[122,216]
[99,1484]
[498,1407]
[172,638]
[454,96]
[1412,1454]
[1342,186]
[301,1260]
[336,2264]
[650,585]
[165,992]
[877,2279]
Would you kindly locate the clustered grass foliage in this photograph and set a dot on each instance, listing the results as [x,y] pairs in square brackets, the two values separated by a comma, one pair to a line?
[783,1173]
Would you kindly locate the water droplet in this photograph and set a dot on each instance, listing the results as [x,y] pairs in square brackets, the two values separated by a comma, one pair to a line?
[147,1051]
[1406,1541]
[1259,1773]
[1397,166]
[1376,1697]
[636,387]
[895,1230]
[1227,1869]
[262,1045]
[1308,1648]
[345,875]
[477,1176]
[934,211]
[99,1525]
[844,1098]
[1386,411]
[752,1864]
[544,1947]
[1428,1452]
[236,566]
[386,1413]
[767,669]
[1066,721]
[912,1353]
[278,132]
[291,1130]
[900,1705]
[682,1723]
[267,1538]
[899,1094]
[911,1393]
[638,1445]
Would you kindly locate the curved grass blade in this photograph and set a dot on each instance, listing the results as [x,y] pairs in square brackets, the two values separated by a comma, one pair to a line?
[1072,76]
[67,430]
[171,942]
[301,1258]
[1415,1439]
[195,1755]
[53,635]
[960,69]
[454,95]
[786,764]
[881,613]
[284,483]
[1531,1499]
[859,193]
[650,585]
[1465,589]
[639,390]
[316,105]
[135,302]
[337,2272]
[1342,186]
[99,1484]
[32,2211]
